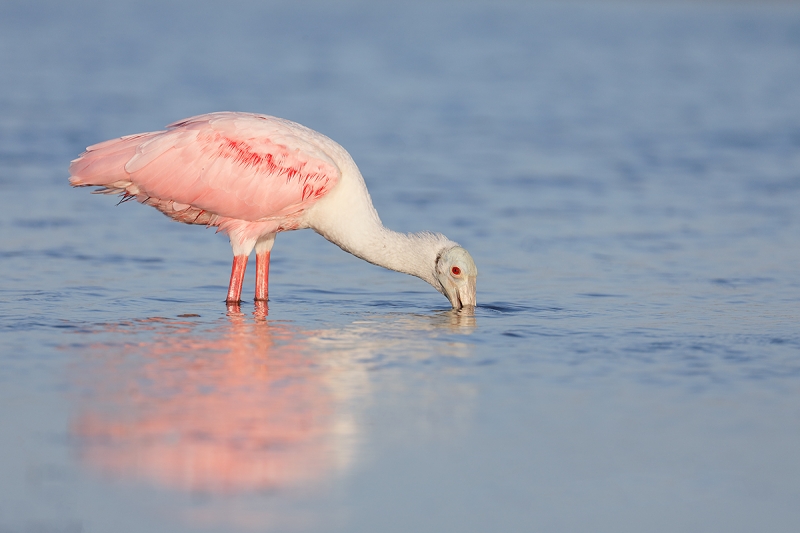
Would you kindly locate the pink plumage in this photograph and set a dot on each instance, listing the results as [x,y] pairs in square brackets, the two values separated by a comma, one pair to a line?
[234,166]
[253,176]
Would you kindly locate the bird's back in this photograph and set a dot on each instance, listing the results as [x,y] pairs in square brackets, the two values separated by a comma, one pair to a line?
[234,165]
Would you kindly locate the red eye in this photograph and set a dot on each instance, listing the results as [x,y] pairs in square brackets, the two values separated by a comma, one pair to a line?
[456,271]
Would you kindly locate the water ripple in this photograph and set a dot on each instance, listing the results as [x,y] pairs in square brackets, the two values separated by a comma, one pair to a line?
[512,308]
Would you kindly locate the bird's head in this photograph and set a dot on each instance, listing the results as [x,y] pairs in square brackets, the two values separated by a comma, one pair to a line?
[457,274]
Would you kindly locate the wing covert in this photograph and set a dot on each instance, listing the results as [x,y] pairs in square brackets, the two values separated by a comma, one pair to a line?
[236,165]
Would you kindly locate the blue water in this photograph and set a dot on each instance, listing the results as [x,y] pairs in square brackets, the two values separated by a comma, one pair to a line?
[626,175]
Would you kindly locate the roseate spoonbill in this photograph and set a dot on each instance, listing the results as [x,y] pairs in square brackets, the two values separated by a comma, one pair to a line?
[253,176]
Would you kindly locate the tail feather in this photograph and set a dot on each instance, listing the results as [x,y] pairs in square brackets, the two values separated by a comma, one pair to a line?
[103,166]
[104,163]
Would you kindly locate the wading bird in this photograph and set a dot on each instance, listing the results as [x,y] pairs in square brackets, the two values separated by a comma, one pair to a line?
[253,176]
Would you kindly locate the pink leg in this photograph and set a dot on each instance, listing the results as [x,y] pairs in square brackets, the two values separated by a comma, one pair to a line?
[237,278]
[262,276]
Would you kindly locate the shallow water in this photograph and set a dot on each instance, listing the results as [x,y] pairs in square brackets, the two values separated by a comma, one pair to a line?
[626,176]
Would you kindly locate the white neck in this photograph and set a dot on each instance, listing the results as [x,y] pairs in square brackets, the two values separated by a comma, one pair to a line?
[411,253]
[347,218]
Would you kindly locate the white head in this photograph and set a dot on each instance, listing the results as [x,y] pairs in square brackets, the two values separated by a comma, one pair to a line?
[457,274]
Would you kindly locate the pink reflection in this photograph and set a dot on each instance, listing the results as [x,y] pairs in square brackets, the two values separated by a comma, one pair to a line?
[238,406]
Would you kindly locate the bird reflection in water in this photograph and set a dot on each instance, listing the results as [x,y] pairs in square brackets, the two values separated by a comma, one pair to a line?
[233,409]
[221,408]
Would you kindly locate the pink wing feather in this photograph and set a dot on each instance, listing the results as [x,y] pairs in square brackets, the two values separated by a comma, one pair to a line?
[233,165]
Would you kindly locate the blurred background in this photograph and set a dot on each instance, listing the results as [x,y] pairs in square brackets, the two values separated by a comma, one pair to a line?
[626,175]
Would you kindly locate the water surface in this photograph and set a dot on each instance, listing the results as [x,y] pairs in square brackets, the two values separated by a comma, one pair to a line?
[626,176]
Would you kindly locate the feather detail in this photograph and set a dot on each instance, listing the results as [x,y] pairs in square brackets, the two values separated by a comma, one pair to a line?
[232,165]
